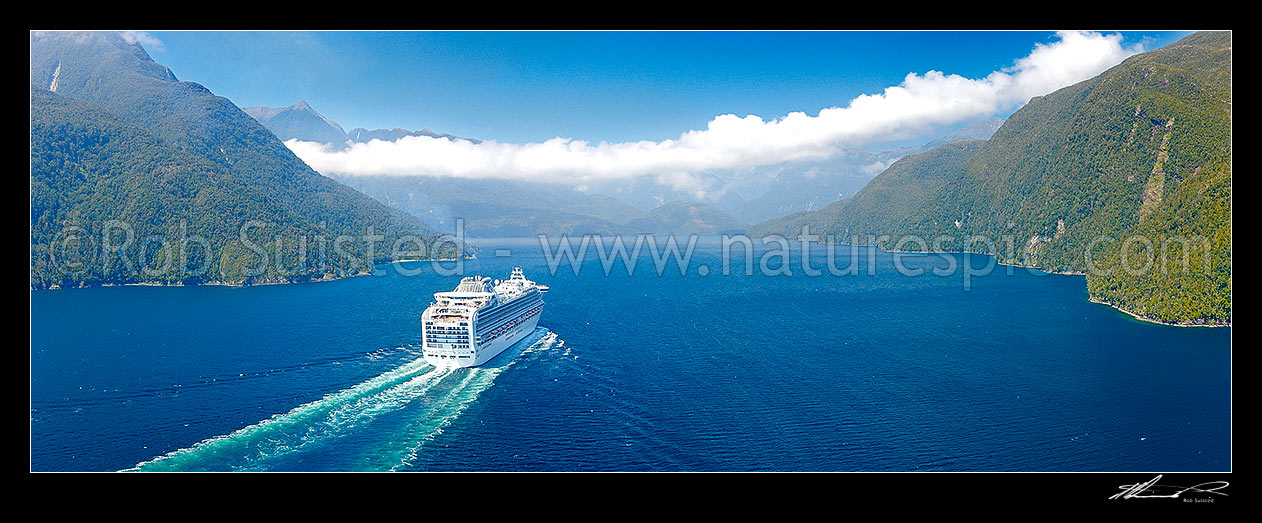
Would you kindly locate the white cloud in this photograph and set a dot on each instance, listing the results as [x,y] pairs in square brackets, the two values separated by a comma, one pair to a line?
[875,168]
[919,105]
[147,40]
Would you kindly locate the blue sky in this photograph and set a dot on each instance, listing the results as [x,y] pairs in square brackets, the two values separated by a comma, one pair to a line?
[521,87]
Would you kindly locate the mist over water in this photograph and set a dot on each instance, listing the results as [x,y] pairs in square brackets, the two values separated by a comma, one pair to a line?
[872,371]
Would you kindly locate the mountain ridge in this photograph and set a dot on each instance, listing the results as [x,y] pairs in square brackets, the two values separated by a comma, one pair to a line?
[299,121]
[302,122]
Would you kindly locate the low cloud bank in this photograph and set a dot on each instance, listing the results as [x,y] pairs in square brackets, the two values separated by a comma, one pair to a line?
[919,105]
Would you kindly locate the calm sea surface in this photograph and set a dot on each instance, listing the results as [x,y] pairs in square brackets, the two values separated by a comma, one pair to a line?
[878,371]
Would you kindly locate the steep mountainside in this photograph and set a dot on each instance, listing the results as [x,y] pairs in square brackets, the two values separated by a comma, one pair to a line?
[1098,177]
[115,136]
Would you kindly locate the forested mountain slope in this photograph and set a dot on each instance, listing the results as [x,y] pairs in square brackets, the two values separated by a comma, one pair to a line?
[118,143]
[1123,176]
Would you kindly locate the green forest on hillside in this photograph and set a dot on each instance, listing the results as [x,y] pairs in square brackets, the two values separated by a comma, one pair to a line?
[95,181]
[205,193]
[1082,180]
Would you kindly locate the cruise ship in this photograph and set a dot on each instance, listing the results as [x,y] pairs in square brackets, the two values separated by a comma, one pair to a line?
[478,320]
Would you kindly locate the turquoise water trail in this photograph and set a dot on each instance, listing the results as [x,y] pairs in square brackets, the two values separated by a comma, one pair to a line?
[311,426]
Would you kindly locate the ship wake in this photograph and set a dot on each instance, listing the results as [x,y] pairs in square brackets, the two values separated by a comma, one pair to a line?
[391,416]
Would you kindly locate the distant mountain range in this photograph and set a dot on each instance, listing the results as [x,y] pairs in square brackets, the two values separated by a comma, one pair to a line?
[121,148]
[495,207]
[298,121]
[810,185]
[361,135]
[507,208]
[301,122]
[1129,168]
[904,189]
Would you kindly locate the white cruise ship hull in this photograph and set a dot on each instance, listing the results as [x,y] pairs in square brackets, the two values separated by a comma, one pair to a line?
[474,323]
[485,352]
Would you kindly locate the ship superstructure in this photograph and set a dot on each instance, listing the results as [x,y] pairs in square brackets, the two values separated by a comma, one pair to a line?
[468,326]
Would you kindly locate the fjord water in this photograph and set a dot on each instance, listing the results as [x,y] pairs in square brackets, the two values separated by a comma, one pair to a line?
[876,371]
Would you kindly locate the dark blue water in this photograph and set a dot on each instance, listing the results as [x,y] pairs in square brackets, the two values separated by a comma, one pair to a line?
[879,371]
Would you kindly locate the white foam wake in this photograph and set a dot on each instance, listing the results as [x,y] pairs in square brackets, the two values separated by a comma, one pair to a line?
[328,417]
[327,420]
[405,444]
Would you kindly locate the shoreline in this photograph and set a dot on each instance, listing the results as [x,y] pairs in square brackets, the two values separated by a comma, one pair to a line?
[997,262]
[1062,273]
[217,283]
[1146,319]
[1091,299]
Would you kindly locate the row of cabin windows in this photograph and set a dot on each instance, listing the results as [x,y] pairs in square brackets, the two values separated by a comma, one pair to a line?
[515,306]
[485,327]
